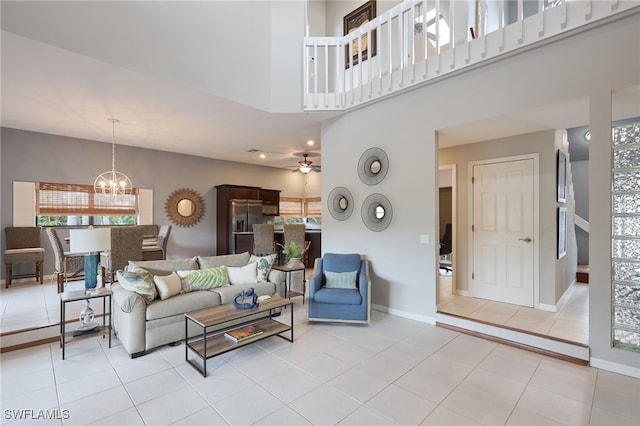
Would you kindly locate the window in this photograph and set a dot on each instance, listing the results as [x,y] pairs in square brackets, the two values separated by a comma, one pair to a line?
[625,247]
[60,204]
[290,206]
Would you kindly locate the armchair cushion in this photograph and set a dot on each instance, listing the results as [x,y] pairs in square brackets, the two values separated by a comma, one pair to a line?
[346,280]
[341,296]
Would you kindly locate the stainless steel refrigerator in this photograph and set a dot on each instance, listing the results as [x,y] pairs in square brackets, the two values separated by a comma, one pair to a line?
[243,214]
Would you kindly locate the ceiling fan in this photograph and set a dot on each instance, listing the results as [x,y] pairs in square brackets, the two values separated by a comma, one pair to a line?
[306,166]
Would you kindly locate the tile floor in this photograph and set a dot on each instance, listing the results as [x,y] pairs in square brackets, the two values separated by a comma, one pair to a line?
[393,372]
[570,323]
[26,304]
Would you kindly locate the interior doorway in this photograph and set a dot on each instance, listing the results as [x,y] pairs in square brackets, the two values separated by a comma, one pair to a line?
[447,228]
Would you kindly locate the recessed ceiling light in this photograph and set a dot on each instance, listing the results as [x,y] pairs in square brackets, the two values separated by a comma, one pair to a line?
[263,155]
[310,143]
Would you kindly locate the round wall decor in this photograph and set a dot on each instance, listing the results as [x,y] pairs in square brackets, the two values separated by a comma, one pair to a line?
[184,207]
[340,203]
[376,212]
[373,166]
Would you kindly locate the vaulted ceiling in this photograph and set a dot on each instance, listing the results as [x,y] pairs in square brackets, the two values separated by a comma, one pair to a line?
[200,78]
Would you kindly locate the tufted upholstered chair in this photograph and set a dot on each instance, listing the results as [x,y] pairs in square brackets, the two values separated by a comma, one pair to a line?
[126,245]
[23,246]
[67,264]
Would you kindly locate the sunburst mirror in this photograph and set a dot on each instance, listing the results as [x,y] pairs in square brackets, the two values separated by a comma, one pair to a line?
[184,207]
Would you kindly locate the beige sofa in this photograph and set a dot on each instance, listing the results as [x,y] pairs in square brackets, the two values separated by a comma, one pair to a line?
[141,326]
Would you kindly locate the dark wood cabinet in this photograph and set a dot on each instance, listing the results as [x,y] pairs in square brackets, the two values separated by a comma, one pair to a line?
[270,202]
[270,199]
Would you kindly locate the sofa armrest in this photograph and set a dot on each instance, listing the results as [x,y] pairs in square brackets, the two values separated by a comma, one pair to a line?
[129,312]
[364,283]
[277,277]
[127,301]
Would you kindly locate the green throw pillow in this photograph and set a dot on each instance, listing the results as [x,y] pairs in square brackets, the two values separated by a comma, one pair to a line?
[139,281]
[264,266]
[203,279]
[340,279]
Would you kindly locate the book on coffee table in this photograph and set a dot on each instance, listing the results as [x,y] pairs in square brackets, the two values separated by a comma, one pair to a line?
[243,333]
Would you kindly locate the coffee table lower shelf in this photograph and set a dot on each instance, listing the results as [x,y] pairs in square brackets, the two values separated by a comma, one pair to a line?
[207,345]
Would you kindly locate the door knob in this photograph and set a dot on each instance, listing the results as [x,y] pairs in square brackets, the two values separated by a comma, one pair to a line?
[526,240]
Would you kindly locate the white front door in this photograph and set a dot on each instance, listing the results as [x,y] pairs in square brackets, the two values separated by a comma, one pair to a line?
[503,227]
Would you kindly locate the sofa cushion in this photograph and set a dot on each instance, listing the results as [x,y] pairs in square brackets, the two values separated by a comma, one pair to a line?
[165,267]
[340,279]
[181,304]
[227,293]
[168,285]
[341,296]
[242,274]
[264,266]
[206,262]
[203,279]
[139,281]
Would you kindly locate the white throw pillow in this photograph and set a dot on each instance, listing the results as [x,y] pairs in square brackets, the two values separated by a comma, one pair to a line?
[168,285]
[242,274]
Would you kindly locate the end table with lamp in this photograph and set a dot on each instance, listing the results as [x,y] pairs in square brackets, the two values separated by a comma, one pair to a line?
[90,241]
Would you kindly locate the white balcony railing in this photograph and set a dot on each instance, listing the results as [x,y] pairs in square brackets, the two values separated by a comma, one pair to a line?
[407,46]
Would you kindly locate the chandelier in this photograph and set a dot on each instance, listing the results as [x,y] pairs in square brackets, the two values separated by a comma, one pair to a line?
[112,182]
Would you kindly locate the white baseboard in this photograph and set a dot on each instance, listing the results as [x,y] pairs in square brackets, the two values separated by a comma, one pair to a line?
[465,293]
[563,300]
[404,314]
[615,367]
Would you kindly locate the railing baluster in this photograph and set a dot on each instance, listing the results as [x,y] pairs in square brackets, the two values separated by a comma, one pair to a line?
[326,75]
[315,72]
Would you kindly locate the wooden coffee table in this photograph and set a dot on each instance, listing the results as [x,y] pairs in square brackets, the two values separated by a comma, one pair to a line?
[210,344]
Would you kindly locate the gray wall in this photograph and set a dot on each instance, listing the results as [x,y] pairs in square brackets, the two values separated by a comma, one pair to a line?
[405,126]
[37,157]
[580,172]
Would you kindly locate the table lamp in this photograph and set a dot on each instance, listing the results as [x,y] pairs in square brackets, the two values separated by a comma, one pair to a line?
[90,241]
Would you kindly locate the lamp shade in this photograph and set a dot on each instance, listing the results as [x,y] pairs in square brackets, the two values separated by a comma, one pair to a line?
[90,240]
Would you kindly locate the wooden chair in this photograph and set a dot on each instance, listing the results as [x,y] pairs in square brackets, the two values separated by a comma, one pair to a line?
[23,246]
[126,245]
[67,264]
[263,239]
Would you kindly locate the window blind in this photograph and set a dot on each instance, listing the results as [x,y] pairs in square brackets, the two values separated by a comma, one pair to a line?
[313,206]
[290,206]
[63,199]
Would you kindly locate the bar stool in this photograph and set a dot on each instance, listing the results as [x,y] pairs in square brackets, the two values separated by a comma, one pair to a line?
[263,240]
[23,246]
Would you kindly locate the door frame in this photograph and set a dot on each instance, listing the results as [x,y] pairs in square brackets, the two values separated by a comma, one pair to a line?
[454,226]
[536,218]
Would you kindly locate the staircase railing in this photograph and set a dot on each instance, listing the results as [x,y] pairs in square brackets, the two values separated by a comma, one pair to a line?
[421,41]
[581,223]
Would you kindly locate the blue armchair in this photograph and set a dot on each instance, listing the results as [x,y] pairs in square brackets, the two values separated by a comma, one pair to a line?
[340,289]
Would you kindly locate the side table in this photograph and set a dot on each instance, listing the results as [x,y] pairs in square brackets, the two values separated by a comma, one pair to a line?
[72,296]
[288,293]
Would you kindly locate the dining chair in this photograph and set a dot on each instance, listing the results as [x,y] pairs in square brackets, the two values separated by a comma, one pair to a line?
[23,246]
[67,264]
[126,245]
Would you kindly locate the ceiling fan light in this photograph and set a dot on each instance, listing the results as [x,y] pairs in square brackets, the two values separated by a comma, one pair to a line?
[305,168]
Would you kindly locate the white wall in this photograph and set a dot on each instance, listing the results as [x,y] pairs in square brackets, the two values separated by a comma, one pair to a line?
[405,127]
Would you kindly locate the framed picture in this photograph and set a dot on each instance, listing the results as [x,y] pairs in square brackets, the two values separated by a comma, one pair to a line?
[562,232]
[352,22]
[561,174]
